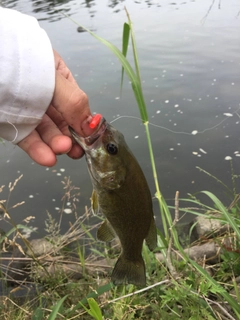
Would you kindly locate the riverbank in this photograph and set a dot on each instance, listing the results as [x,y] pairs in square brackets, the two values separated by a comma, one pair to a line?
[37,274]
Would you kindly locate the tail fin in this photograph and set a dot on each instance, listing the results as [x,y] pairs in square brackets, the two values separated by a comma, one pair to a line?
[126,271]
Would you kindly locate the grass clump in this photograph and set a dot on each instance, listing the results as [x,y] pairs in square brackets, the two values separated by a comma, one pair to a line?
[177,287]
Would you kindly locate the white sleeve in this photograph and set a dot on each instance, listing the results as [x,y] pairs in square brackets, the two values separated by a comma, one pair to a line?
[27,74]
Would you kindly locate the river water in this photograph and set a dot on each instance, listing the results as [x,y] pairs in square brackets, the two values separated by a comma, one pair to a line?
[190,67]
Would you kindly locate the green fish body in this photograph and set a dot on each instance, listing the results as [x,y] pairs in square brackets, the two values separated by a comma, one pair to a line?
[123,196]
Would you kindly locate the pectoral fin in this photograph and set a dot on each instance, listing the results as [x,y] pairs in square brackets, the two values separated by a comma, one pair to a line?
[94,202]
[151,238]
[105,232]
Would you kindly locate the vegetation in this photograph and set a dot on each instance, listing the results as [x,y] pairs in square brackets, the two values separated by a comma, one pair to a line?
[177,287]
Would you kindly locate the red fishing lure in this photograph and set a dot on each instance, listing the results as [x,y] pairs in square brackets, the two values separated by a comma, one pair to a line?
[95,121]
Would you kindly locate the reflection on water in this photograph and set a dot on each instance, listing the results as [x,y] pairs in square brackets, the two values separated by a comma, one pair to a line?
[53,9]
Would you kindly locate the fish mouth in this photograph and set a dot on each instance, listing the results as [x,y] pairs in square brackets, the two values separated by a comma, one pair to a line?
[87,142]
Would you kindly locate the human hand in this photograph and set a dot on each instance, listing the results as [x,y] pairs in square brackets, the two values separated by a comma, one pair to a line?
[69,106]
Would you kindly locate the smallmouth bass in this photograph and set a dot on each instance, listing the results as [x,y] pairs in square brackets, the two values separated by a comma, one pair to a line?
[123,196]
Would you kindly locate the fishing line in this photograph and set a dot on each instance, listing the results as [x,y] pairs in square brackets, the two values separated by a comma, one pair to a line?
[194,132]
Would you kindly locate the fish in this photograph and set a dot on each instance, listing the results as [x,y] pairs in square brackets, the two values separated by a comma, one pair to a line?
[123,196]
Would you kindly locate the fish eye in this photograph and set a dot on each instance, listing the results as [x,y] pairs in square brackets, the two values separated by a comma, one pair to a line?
[112,148]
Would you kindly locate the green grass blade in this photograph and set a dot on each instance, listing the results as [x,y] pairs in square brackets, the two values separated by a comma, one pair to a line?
[224,211]
[56,308]
[136,85]
[125,42]
[217,288]
[163,207]
[141,106]
[134,46]
[94,311]
[125,38]
[94,294]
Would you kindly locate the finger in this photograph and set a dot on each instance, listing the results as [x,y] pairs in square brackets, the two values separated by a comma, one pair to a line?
[38,150]
[76,151]
[53,137]
[62,67]
[58,120]
[71,102]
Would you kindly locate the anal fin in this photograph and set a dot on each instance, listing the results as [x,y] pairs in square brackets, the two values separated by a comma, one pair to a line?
[105,232]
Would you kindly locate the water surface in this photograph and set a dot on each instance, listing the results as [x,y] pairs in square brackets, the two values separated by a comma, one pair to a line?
[190,67]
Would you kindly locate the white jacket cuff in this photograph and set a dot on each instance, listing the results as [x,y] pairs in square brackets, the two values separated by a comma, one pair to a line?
[27,74]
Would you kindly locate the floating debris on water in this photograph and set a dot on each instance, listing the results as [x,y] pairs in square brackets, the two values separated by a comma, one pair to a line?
[136,137]
[67,210]
[195,153]
[31,196]
[228,158]
[228,114]
[194,132]
[62,170]
[158,111]
[203,151]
